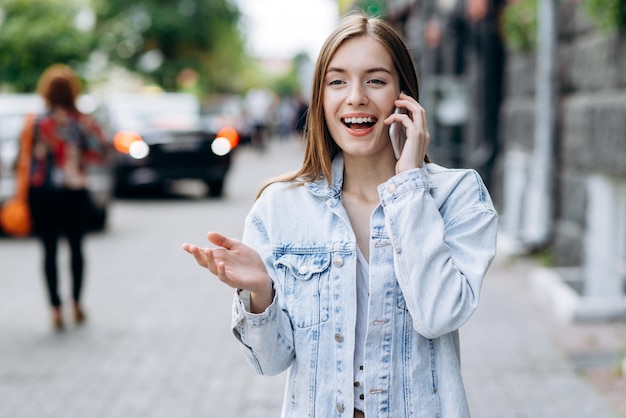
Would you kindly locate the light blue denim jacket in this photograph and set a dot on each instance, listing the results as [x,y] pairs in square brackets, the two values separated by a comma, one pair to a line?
[433,236]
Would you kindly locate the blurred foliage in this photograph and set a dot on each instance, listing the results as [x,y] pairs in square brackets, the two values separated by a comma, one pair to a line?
[519,20]
[201,35]
[289,84]
[545,258]
[35,34]
[372,7]
[159,39]
[285,85]
[519,25]
[607,14]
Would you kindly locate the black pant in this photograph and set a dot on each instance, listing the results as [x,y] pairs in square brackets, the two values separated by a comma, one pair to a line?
[56,213]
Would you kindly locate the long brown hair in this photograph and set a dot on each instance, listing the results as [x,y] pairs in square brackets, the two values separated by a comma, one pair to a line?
[320,148]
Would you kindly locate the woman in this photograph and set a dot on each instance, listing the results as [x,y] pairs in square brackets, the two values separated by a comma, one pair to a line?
[64,142]
[357,272]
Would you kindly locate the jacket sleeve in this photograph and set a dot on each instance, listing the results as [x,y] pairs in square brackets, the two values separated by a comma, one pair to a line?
[442,246]
[266,338]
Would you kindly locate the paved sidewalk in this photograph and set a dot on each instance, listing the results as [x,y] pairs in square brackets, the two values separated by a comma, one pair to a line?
[158,343]
[518,357]
[147,368]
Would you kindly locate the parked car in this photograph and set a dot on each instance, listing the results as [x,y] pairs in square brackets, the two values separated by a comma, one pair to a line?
[160,137]
[13,111]
[227,110]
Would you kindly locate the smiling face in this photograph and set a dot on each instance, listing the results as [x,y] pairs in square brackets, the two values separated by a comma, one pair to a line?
[360,87]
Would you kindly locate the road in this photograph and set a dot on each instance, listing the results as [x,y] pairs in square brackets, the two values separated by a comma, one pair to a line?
[158,340]
[158,344]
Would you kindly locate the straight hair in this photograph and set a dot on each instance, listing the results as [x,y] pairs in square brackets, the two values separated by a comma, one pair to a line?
[320,148]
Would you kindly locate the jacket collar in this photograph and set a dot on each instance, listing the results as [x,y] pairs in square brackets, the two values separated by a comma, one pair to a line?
[321,188]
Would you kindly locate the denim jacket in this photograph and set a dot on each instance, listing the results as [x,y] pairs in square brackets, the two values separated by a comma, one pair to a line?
[433,236]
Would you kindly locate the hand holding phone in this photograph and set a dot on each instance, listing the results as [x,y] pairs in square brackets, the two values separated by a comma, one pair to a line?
[409,153]
[397,133]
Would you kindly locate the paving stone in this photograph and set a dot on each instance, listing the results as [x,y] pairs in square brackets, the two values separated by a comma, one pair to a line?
[158,343]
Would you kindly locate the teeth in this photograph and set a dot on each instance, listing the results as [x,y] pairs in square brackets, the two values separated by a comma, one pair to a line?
[359,120]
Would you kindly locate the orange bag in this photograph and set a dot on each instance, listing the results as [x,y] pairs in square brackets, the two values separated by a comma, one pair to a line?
[15,213]
[15,217]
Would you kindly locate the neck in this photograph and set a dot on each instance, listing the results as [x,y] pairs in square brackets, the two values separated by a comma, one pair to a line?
[362,176]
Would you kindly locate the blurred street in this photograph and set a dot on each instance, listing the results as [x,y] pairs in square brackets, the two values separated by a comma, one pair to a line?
[157,342]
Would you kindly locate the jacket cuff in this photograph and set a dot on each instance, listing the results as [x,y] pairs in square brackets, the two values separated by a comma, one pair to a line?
[241,310]
[407,180]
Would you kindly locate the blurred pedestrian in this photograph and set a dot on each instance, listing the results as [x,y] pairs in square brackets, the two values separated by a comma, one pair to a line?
[65,141]
[286,115]
[301,112]
[356,272]
[259,108]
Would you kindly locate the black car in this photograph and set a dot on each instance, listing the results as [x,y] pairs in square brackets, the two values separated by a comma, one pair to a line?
[159,137]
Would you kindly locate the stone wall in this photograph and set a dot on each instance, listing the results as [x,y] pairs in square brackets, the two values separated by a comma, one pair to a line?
[591,126]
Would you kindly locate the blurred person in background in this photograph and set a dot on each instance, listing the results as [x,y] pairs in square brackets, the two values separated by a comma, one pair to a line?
[64,142]
[286,116]
[359,288]
[259,108]
[302,108]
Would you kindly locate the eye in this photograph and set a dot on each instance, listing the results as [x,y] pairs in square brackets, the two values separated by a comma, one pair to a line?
[335,82]
[377,81]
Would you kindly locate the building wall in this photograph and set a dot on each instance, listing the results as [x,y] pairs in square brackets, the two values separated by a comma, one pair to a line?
[591,126]
[590,133]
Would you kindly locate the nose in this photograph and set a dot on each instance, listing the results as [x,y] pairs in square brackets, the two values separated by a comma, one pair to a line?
[356,95]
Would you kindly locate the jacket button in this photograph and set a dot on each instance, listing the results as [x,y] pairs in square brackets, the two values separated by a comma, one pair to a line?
[339,337]
[339,408]
[338,261]
[303,269]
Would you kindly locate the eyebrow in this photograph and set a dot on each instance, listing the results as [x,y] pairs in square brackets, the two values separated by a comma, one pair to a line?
[369,71]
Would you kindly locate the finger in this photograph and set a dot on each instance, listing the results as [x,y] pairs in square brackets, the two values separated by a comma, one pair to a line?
[422,115]
[208,256]
[222,240]
[188,247]
[204,257]
[410,111]
[399,117]
[220,272]
[220,269]
[197,254]
[417,117]
[404,100]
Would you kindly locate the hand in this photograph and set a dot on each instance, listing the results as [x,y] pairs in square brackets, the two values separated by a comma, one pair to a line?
[237,265]
[416,128]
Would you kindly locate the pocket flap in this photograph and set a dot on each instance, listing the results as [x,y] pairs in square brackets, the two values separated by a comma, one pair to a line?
[304,266]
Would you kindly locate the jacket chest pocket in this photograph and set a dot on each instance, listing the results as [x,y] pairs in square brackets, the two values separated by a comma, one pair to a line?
[306,279]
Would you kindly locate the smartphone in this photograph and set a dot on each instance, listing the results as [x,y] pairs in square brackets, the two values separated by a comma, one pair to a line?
[397,133]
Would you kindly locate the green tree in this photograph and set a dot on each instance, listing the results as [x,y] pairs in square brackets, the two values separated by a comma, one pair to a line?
[178,44]
[161,38]
[35,34]
[607,14]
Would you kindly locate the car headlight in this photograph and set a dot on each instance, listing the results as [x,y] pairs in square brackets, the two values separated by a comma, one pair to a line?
[229,133]
[226,139]
[139,150]
[220,146]
[132,144]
